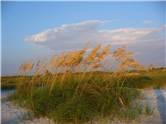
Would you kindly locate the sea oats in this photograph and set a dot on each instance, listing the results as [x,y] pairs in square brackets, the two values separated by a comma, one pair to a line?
[104,52]
[91,56]
[40,67]
[125,59]
[26,67]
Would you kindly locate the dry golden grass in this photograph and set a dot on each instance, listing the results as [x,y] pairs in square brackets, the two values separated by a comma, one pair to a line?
[25,67]
[73,78]
[83,61]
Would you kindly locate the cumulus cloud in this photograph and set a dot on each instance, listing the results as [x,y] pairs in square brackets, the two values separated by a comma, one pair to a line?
[72,36]
[67,36]
[147,43]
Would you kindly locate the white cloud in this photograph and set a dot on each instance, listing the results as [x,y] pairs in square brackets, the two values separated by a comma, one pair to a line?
[148,22]
[125,35]
[67,32]
[74,36]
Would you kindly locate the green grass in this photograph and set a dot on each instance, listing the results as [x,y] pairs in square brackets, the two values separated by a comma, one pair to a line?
[82,97]
[77,100]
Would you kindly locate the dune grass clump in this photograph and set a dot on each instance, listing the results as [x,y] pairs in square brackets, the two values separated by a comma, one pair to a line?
[72,87]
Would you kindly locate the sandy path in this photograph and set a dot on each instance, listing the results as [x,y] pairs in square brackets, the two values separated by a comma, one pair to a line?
[157,100]
[12,114]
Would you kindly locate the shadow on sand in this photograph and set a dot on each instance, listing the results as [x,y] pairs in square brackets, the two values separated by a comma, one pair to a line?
[161,104]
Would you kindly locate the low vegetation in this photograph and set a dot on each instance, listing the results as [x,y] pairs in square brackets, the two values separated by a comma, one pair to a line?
[155,78]
[10,82]
[73,87]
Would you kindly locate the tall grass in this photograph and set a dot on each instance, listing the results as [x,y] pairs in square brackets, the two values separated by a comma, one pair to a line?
[72,87]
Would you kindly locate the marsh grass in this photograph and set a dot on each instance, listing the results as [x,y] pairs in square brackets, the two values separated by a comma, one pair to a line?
[80,91]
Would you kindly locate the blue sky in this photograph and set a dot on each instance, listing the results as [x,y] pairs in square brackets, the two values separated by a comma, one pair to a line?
[24,20]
